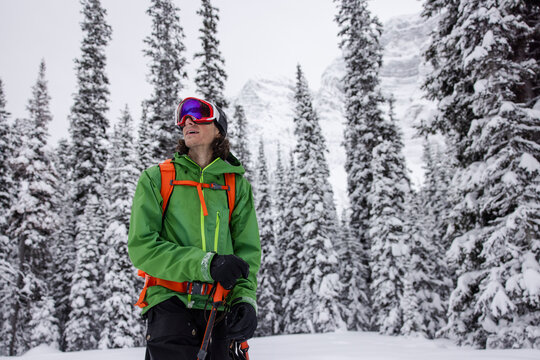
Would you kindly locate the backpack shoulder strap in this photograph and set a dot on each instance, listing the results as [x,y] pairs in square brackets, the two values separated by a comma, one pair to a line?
[168,174]
[230,180]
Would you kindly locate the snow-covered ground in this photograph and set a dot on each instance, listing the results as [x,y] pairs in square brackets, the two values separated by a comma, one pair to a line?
[339,345]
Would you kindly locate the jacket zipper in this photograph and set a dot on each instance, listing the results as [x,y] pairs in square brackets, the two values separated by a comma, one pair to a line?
[203,235]
[201,180]
[216,235]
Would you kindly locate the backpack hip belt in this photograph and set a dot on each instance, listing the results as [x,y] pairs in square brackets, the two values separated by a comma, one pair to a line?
[187,287]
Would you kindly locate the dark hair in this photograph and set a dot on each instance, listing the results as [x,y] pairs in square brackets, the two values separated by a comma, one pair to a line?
[220,147]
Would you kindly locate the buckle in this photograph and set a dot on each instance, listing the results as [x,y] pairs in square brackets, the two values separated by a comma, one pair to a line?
[197,288]
[215,186]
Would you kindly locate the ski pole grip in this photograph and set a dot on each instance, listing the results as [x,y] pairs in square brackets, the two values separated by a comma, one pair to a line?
[220,293]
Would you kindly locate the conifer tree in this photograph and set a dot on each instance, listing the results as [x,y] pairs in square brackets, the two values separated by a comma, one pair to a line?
[121,326]
[8,277]
[435,192]
[82,328]
[167,70]
[89,140]
[389,240]
[5,151]
[360,33]
[12,295]
[280,226]
[238,138]
[7,249]
[211,75]
[428,281]
[319,271]
[43,325]
[292,243]
[485,59]
[64,253]
[88,121]
[353,298]
[268,278]
[32,222]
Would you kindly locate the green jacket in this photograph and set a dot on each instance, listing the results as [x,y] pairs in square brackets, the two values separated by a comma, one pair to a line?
[181,245]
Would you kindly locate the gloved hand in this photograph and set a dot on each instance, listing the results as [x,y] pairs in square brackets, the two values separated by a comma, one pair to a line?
[226,269]
[241,322]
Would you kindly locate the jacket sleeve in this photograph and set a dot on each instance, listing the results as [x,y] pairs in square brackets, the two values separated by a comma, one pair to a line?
[148,250]
[246,242]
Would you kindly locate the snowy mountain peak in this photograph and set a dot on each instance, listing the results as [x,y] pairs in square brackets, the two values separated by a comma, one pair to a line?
[269,102]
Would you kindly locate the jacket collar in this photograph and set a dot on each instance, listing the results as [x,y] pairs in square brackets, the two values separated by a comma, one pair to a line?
[217,167]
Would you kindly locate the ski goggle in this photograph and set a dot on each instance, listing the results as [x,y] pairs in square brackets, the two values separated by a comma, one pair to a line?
[200,111]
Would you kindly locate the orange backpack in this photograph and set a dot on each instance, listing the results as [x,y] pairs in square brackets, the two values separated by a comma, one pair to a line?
[168,181]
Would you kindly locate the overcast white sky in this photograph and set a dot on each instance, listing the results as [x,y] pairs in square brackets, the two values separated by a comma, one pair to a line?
[258,38]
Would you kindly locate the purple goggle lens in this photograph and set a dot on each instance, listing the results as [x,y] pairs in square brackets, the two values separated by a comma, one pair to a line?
[199,110]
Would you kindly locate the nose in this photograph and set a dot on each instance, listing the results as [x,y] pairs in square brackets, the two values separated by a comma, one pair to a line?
[189,121]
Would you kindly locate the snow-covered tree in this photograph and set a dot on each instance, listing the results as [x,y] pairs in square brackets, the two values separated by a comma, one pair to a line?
[318,262]
[238,138]
[353,298]
[8,277]
[64,252]
[387,231]
[5,151]
[435,192]
[360,33]
[211,75]
[7,268]
[268,277]
[120,319]
[43,326]
[7,248]
[279,179]
[82,328]
[12,296]
[167,70]
[89,150]
[88,121]
[32,222]
[486,65]
[428,282]
[291,243]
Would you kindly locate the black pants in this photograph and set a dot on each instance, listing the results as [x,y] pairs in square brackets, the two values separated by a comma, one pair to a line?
[175,332]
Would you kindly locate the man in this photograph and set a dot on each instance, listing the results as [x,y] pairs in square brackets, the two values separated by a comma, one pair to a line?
[194,239]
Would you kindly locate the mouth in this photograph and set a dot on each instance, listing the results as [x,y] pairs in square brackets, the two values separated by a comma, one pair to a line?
[191,132]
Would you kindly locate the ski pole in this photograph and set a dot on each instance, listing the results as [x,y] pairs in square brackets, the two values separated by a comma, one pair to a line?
[219,297]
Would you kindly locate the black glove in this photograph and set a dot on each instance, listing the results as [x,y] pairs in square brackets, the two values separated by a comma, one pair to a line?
[241,322]
[225,269]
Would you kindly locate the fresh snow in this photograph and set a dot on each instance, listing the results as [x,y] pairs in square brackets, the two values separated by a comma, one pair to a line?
[338,345]
[529,163]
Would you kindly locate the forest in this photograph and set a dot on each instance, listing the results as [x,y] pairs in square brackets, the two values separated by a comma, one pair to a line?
[457,258]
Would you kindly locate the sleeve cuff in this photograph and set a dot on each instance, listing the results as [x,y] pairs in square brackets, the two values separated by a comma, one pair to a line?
[205,267]
[248,300]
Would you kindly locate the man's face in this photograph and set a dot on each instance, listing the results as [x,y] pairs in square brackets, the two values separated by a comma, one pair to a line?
[199,135]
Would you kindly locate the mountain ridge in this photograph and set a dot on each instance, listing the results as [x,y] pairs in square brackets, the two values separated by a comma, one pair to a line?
[269,103]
